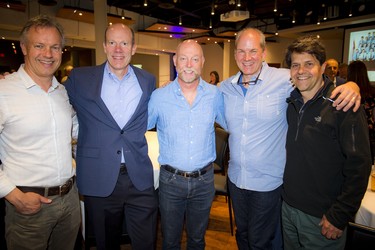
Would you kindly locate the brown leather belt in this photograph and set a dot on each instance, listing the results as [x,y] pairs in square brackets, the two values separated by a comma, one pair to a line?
[50,191]
[193,174]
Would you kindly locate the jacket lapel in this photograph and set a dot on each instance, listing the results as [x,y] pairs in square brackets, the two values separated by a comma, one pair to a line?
[96,83]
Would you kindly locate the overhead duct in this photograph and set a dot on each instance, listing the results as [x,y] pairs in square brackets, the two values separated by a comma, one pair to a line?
[234,16]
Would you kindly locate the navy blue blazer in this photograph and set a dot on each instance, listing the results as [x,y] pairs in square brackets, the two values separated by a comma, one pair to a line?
[100,139]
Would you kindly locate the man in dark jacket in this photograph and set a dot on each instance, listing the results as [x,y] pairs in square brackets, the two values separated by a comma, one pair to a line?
[328,156]
[114,172]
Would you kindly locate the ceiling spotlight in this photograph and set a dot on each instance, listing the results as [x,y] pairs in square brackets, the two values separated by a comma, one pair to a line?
[145,3]
[294,16]
[180,21]
[213,9]
[362,7]
[238,3]
[275,8]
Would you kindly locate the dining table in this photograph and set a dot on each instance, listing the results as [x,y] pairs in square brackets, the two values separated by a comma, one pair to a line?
[153,153]
[366,212]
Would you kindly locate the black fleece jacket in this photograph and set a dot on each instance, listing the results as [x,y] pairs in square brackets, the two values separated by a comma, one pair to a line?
[328,158]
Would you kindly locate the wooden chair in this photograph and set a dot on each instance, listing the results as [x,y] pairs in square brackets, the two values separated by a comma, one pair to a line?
[221,178]
[221,137]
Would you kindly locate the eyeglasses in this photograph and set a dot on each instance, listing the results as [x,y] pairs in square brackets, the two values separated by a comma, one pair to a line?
[252,82]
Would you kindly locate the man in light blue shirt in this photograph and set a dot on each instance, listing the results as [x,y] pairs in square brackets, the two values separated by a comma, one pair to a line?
[184,113]
[255,112]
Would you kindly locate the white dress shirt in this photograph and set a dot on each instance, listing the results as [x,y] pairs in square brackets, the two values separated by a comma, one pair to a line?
[35,133]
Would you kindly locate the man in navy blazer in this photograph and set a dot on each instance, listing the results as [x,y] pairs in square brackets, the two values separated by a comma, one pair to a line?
[114,172]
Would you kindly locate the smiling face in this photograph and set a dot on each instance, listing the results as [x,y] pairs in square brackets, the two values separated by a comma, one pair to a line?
[189,61]
[306,73]
[119,48]
[249,53]
[42,52]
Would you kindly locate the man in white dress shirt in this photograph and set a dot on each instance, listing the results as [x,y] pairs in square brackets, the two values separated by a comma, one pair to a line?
[37,176]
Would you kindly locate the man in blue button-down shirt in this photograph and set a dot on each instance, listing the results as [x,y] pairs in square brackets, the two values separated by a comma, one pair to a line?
[255,111]
[184,113]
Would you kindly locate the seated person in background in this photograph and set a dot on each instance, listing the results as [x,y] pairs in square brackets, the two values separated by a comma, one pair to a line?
[331,70]
[67,71]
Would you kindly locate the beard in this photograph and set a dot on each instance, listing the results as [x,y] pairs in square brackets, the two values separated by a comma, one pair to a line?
[188,75]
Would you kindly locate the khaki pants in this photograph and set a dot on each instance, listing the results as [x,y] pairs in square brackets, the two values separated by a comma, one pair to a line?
[54,227]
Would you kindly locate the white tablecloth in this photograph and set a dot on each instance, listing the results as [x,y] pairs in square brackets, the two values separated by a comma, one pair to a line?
[366,213]
[153,153]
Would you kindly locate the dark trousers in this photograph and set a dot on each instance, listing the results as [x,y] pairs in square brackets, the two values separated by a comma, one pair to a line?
[140,209]
[3,244]
[257,216]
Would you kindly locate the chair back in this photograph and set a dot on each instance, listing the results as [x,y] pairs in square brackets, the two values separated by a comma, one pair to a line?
[221,141]
[360,237]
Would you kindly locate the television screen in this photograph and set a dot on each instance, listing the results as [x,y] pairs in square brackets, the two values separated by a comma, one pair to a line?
[360,45]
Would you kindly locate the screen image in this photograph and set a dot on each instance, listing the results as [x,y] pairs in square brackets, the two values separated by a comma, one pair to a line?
[360,45]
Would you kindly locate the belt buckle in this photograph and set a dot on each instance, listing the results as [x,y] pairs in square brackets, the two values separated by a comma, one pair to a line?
[60,189]
[65,187]
[46,192]
[185,174]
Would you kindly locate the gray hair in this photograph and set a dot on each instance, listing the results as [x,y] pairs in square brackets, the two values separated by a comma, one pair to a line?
[42,21]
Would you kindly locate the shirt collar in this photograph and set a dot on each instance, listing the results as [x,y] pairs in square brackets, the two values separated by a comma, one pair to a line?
[113,77]
[177,88]
[29,82]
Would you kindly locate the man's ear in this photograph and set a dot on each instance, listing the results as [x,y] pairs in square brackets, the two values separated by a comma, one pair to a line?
[23,48]
[324,65]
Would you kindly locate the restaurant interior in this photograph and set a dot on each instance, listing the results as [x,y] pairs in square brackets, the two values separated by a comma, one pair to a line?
[160,25]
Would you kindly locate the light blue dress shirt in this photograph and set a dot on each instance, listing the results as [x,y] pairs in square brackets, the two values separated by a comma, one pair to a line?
[186,133]
[121,96]
[257,126]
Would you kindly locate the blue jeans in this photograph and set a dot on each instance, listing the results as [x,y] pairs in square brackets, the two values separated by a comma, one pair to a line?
[181,197]
[257,216]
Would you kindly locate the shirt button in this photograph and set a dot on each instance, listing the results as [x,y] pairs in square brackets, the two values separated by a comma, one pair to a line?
[118,152]
[122,131]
